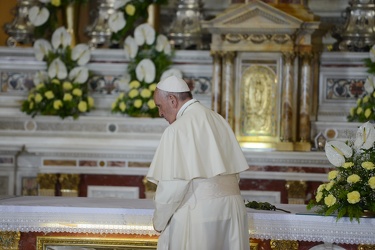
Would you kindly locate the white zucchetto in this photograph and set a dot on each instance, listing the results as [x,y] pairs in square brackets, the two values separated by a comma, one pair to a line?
[173,84]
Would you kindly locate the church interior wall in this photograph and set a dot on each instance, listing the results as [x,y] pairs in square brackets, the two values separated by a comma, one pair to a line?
[119,148]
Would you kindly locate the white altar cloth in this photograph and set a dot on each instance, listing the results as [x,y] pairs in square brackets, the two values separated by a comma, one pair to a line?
[134,216]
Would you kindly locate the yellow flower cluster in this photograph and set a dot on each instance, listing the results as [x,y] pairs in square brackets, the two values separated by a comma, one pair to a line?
[56,98]
[138,99]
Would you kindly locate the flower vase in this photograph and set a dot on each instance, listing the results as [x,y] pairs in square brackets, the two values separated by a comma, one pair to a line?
[70,21]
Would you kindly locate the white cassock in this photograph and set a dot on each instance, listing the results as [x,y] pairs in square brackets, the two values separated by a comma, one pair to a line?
[198,205]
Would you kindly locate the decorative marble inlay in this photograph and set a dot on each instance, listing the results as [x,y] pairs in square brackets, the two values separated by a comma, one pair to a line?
[345,88]
[16,81]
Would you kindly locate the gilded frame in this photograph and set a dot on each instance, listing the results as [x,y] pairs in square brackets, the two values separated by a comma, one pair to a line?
[97,243]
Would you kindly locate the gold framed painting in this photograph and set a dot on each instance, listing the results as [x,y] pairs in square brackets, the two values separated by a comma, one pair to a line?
[95,243]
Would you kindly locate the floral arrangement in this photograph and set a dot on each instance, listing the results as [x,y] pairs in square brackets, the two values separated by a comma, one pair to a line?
[150,59]
[351,187]
[44,15]
[126,13]
[365,108]
[61,90]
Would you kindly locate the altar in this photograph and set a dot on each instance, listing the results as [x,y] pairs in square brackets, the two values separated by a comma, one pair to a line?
[52,222]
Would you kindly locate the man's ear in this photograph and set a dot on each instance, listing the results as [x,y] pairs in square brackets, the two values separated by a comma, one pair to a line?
[173,100]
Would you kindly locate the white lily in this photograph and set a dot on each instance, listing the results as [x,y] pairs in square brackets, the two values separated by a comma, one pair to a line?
[370,84]
[365,137]
[57,69]
[119,4]
[372,53]
[79,75]
[145,71]
[130,47]
[38,16]
[41,49]
[61,37]
[144,33]
[82,53]
[40,77]
[336,151]
[162,44]
[171,72]
[116,21]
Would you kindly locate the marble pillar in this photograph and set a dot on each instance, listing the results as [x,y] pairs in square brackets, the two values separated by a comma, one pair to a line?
[304,98]
[216,81]
[227,98]
[286,134]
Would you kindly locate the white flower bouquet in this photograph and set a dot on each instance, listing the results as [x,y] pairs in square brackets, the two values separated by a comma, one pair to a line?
[351,187]
[126,14]
[61,90]
[150,59]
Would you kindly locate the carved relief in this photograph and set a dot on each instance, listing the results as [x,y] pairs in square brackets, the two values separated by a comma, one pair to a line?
[284,245]
[258,92]
[9,240]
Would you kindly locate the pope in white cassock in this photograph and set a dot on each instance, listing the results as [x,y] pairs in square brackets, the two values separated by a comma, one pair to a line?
[198,205]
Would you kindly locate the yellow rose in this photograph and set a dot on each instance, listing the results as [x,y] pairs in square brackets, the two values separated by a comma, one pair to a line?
[56,3]
[319,196]
[321,187]
[57,104]
[67,85]
[82,106]
[368,165]
[371,182]
[359,101]
[130,9]
[31,105]
[352,111]
[152,87]
[151,104]
[368,113]
[330,200]
[49,95]
[67,97]
[122,106]
[133,93]
[39,86]
[90,101]
[134,84]
[354,178]
[348,165]
[38,98]
[138,103]
[77,92]
[359,110]
[353,197]
[145,93]
[114,104]
[373,94]
[332,174]
[120,96]
[30,97]
[365,99]
[330,185]
[55,81]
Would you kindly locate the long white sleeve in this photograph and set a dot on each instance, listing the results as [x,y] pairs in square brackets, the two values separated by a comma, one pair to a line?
[168,197]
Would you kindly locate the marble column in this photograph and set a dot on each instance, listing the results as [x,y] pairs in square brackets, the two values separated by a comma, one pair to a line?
[227,98]
[216,84]
[304,101]
[287,98]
